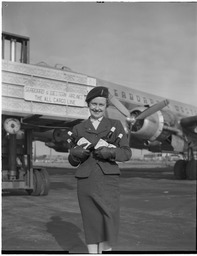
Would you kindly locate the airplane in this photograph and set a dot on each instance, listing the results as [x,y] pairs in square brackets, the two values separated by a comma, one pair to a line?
[151,122]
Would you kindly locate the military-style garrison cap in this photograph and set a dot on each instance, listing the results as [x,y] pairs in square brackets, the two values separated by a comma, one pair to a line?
[98,91]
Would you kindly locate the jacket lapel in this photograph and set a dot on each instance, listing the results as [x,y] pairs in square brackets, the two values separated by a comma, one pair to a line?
[89,126]
[103,126]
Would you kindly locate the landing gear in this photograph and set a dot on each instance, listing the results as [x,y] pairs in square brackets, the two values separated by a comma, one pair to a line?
[45,182]
[186,169]
[18,171]
[180,170]
[41,183]
[191,169]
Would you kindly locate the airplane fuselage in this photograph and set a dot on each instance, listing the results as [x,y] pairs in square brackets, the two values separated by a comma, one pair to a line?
[132,98]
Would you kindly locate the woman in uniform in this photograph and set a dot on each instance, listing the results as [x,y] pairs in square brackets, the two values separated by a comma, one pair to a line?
[98,173]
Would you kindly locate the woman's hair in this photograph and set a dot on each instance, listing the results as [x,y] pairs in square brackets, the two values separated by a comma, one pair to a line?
[107,103]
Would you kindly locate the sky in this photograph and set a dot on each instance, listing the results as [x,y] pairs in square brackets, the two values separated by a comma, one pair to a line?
[149,46]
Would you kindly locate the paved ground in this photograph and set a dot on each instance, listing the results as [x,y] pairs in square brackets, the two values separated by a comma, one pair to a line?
[158,214]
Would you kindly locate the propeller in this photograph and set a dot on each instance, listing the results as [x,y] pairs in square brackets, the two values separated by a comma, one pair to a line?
[151,110]
[131,119]
[122,109]
[119,105]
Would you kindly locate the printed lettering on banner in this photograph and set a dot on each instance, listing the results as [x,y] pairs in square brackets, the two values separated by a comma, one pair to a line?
[53,96]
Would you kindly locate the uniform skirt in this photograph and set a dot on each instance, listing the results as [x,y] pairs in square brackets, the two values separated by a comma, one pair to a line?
[99,197]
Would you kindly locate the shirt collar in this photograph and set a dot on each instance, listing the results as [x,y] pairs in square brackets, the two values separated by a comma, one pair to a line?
[94,120]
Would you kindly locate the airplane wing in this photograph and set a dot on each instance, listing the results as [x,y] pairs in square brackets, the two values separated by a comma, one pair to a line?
[150,128]
[36,121]
[52,132]
[188,126]
[189,123]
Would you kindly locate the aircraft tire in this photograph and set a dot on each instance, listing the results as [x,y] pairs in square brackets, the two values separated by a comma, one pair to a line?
[37,183]
[45,182]
[180,170]
[191,169]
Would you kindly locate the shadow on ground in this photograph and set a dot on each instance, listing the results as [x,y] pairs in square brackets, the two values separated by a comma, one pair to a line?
[66,235]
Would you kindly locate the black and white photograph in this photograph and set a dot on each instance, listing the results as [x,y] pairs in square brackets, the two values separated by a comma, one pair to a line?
[99,127]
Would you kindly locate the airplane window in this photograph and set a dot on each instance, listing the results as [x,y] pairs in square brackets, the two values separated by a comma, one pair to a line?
[124,95]
[131,96]
[116,92]
[145,100]
[138,98]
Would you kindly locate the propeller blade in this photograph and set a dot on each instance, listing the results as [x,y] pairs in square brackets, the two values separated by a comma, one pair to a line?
[150,111]
[119,105]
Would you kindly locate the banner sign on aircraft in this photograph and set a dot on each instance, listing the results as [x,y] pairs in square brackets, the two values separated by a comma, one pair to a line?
[51,96]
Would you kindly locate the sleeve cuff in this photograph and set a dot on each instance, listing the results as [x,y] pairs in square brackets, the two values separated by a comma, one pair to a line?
[73,161]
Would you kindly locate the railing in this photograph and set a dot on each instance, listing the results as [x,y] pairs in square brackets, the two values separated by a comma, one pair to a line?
[15,48]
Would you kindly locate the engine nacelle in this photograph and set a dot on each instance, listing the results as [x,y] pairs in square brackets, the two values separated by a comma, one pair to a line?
[61,135]
[152,127]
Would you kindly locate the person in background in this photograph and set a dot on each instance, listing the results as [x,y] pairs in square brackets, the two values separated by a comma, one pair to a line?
[98,173]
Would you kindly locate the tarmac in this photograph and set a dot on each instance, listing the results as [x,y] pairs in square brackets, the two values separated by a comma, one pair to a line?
[158,214]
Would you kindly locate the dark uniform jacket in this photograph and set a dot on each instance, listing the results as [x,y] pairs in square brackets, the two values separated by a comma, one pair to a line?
[123,151]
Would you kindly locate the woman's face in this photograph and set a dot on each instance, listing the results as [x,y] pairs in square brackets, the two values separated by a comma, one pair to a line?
[97,107]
